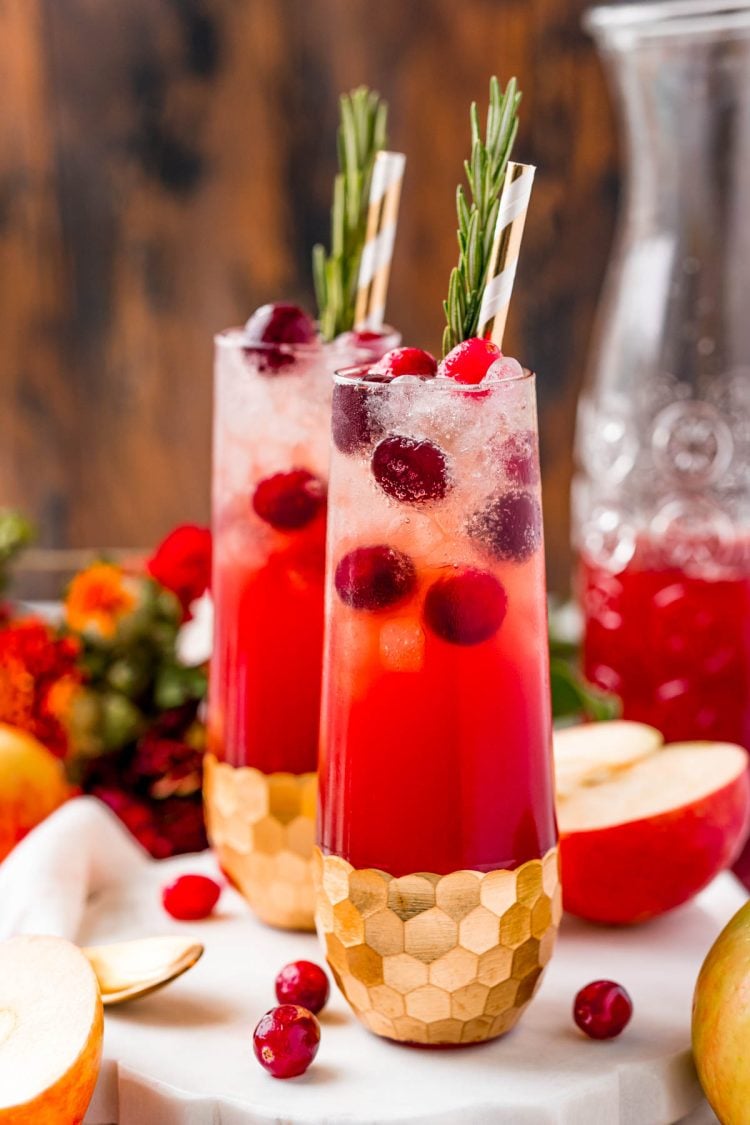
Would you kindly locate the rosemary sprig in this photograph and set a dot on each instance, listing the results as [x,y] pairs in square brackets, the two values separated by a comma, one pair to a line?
[361,134]
[485,172]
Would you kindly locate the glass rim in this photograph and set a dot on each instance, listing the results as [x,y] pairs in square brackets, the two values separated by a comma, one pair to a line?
[666,19]
[235,338]
[346,377]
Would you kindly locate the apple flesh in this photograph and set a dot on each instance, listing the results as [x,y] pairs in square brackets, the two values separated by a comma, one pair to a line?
[721,1022]
[32,785]
[593,752]
[638,841]
[51,1029]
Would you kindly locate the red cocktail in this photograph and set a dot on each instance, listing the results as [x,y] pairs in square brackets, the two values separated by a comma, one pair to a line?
[435,749]
[271,423]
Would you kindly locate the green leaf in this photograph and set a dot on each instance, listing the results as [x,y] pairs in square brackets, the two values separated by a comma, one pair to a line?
[573,698]
[16,533]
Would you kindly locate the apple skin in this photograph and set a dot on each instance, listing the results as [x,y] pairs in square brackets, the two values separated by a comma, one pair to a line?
[32,785]
[721,1022]
[66,1102]
[637,870]
[66,1099]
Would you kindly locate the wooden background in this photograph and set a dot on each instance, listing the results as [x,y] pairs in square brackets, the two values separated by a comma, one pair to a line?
[165,167]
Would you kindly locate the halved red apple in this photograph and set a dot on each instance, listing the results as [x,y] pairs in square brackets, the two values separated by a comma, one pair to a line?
[638,839]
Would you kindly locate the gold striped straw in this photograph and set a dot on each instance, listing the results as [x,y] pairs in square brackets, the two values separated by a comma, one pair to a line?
[501,273]
[380,236]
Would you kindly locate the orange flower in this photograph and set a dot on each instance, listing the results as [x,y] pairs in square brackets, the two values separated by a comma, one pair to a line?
[98,598]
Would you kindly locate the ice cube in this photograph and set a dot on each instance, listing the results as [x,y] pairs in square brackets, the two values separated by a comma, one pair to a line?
[402,645]
[503,369]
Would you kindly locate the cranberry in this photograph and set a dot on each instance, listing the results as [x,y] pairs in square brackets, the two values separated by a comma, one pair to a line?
[509,527]
[411,471]
[467,608]
[470,360]
[286,1040]
[190,897]
[303,983]
[407,361]
[289,501]
[518,456]
[602,1009]
[280,324]
[374,577]
[354,425]
[366,338]
[284,325]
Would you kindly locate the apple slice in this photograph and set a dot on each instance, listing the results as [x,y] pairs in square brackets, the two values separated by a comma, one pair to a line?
[592,752]
[51,1029]
[649,837]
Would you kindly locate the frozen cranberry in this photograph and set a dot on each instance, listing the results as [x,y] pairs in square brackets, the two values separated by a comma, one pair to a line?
[280,324]
[190,897]
[354,421]
[286,1040]
[602,1009]
[366,338]
[519,458]
[407,361]
[286,326]
[372,343]
[467,608]
[374,577]
[303,983]
[470,360]
[411,471]
[509,527]
[289,501]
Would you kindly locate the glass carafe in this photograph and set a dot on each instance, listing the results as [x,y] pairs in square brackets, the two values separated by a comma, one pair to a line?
[662,491]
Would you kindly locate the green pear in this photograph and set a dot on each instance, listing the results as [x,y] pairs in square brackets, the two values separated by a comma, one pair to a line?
[721,1022]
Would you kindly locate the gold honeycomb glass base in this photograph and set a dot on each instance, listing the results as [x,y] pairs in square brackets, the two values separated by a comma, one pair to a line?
[262,827]
[438,958]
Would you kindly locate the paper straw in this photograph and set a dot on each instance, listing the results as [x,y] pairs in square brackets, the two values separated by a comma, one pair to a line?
[501,273]
[382,217]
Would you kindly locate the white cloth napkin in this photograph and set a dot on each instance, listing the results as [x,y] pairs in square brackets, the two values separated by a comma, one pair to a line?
[48,879]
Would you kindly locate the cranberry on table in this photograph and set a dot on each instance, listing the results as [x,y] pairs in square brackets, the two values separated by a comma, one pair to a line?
[470,361]
[281,323]
[407,361]
[509,527]
[289,501]
[286,1040]
[190,897]
[303,983]
[374,577]
[602,1009]
[410,471]
[467,608]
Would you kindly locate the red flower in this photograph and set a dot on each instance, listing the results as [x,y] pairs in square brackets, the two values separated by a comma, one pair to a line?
[38,679]
[163,828]
[170,766]
[182,563]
